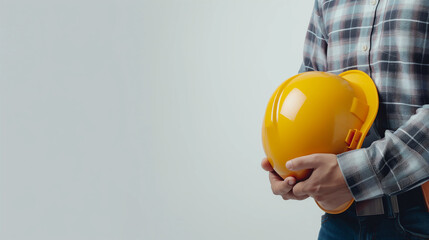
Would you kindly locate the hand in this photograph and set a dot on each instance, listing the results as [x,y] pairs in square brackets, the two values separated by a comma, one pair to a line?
[326,183]
[278,185]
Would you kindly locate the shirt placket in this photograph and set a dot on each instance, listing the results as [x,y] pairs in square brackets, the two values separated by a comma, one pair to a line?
[364,44]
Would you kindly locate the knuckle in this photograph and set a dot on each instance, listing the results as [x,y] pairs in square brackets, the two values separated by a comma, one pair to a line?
[275,190]
[296,190]
[316,189]
[280,189]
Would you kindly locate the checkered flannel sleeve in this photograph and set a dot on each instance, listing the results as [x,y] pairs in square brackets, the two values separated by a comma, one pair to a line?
[392,165]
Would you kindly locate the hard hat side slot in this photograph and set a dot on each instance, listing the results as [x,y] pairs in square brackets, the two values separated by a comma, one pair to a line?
[352,139]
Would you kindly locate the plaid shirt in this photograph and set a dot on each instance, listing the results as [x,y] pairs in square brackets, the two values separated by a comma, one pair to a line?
[389,40]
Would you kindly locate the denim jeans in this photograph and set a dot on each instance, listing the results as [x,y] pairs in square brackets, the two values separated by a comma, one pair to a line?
[410,223]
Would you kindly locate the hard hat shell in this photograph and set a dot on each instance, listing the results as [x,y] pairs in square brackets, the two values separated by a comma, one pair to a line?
[317,112]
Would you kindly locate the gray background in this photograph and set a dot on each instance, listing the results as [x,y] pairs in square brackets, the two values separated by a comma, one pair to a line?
[135,119]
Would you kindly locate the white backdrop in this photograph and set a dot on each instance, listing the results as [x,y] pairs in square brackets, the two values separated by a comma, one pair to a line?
[134,119]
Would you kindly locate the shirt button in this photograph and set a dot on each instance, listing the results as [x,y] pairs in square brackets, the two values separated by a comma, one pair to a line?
[365,48]
[373,2]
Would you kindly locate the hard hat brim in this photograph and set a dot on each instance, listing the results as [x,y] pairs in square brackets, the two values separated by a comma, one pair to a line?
[365,87]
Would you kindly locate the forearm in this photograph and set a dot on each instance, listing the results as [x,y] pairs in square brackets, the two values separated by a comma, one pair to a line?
[394,164]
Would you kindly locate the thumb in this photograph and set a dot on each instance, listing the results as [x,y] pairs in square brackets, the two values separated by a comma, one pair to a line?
[305,162]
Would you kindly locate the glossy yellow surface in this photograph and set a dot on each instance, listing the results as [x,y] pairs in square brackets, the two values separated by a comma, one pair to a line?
[318,112]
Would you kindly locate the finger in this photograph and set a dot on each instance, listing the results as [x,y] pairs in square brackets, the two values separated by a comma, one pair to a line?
[265,164]
[274,177]
[305,162]
[280,186]
[300,190]
[291,196]
[301,197]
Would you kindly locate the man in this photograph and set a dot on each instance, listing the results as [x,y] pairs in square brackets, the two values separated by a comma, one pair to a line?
[389,40]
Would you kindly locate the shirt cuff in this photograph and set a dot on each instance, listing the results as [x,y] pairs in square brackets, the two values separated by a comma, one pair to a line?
[359,175]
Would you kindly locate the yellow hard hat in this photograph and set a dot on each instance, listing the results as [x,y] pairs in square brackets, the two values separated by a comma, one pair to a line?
[318,112]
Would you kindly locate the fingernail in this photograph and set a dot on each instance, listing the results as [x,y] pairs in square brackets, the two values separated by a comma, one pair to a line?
[291,182]
[289,165]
